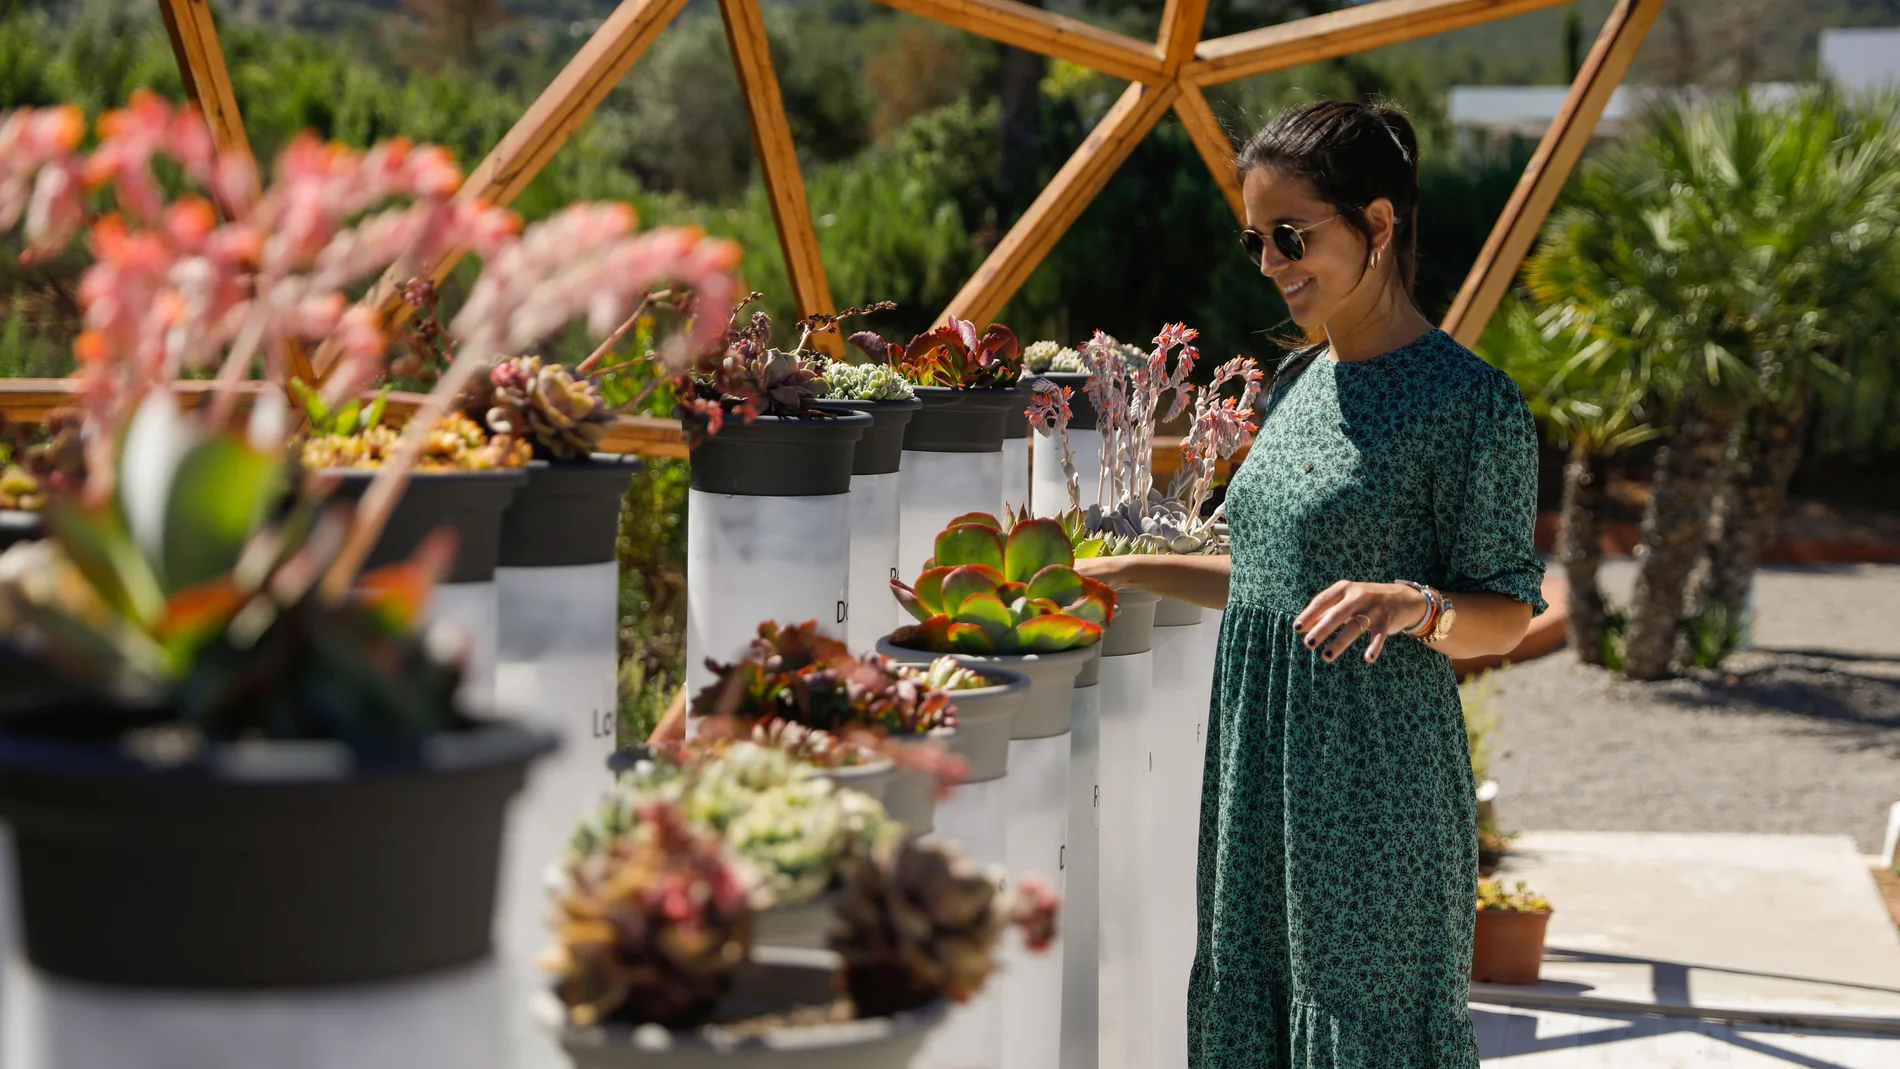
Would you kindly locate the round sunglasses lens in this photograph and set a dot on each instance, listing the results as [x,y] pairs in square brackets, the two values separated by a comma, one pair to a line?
[1253,243]
[1289,242]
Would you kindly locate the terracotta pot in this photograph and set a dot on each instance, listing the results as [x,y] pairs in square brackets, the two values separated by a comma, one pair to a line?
[1508,947]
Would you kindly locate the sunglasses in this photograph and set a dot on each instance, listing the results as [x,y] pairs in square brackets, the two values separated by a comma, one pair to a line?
[1288,239]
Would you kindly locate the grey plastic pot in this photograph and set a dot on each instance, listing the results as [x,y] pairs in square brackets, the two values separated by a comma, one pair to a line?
[780,456]
[911,796]
[882,447]
[567,513]
[960,421]
[801,925]
[471,503]
[776,981]
[1052,678]
[1132,629]
[873,778]
[985,715]
[1082,416]
[1172,613]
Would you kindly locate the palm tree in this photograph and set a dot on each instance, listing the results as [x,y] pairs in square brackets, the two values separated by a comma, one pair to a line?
[1590,398]
[1724,246]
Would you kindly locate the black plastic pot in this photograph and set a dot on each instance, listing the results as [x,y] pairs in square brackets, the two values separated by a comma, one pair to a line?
[469,502]
[961,421]
[1082,415]
[882,446]
[254,865]
[1016,421]
[17,525]
[567,513]
[780,456]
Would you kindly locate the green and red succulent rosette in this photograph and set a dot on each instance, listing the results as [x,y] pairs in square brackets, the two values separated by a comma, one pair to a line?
[988,592]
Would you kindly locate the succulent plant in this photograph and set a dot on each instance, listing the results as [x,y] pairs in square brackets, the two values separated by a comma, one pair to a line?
[1049,356]
[918,923]
[946,674]
[792,826]
[651,926]
[561,417]
[798,674]
[952,355]
[34,466]
[353,435]
[985,592]
[1493,896]
[866,382]
[187,589]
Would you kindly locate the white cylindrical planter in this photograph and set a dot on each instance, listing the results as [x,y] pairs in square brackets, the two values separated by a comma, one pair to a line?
[457,1018]
[1081,889]
[974,819]
[768,533]
[876,505]
[557,667]
[1037,835]
[952,463]
[1183,673]
[1127,1029]
[1018,444]
[473,610]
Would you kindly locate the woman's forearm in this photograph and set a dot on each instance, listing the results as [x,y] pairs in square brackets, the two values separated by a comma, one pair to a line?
[1197,580]
[1488,625]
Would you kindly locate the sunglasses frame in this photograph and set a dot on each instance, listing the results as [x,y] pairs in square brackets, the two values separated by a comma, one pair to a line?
[1292,245]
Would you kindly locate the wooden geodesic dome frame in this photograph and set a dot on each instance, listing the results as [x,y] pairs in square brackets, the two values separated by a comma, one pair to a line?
[1168,73]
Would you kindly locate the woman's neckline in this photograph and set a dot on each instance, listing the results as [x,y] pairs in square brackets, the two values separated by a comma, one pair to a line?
[1408,346]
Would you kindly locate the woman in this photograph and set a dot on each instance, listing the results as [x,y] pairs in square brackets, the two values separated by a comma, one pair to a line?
[1381,526]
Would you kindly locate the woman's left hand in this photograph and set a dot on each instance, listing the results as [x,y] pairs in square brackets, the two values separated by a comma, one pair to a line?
[1341,613]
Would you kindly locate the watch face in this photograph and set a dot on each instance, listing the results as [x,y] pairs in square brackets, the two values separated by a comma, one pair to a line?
[1446,620]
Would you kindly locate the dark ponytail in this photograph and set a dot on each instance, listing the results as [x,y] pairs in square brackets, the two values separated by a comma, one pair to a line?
[1351,154]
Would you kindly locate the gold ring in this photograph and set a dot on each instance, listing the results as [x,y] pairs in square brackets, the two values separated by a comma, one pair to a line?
[1362,617]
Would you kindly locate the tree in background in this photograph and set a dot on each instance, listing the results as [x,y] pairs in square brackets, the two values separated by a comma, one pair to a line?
[1741,249]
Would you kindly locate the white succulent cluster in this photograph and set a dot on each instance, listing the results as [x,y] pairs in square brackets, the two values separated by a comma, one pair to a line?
[792,827]
[866,382]
[1046,356]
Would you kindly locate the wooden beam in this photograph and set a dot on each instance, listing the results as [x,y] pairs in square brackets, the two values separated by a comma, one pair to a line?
[1549,169]
[1211,141]
[1341,33]
[560,110]
[29,401]
[1056,208]
[1036,30]
[1181,24]
[778,161]
[194,37]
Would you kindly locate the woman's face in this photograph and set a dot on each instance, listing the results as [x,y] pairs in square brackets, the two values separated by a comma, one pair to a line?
[1332,278]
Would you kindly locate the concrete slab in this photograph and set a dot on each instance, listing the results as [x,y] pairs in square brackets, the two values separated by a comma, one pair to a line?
[1782,922]
[1545,1039]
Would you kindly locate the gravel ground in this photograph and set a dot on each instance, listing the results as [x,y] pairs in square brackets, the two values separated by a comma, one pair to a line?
[1801,735]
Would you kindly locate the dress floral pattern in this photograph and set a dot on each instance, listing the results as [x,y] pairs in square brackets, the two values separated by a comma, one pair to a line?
[1338,854]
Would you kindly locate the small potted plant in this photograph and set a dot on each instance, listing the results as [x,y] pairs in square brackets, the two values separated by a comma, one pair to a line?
[1013,599]
[1508,943]
[655,963]
[33,466]
[986,701]
[798,675]
[1129,515]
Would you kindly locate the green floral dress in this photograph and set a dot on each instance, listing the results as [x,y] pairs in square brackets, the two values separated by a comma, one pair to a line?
[1338,854]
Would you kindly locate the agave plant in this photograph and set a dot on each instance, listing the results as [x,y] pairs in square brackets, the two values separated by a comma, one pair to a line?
[652,924]
[987,592]
[952,355]
[919,922]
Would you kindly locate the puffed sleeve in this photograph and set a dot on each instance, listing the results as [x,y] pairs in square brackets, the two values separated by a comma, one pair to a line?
[1485,498]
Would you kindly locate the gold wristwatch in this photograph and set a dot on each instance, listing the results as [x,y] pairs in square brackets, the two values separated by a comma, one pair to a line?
[1447,616]
[1440,614]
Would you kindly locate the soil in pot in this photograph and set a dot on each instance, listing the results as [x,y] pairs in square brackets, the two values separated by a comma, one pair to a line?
[258,864]
[1132,629]
[1508,946]
[568,512]
[469,502]
[780,456]
[785,984]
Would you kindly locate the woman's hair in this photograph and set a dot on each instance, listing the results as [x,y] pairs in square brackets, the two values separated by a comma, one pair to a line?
[1351,154]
